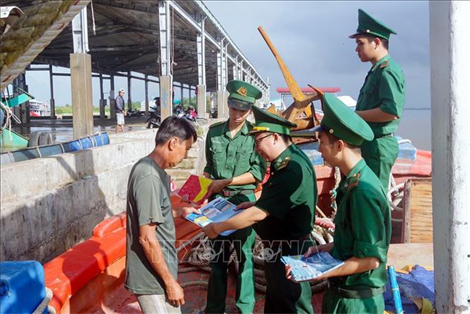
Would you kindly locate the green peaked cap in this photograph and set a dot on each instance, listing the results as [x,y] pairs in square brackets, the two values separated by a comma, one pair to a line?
[340,121]
[268,122]
[242,94]
[369,25]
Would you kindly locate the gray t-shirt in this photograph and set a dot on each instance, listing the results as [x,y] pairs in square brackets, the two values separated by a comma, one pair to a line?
[148,201]
[119,103]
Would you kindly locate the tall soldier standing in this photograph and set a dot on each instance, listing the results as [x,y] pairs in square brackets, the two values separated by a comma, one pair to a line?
[235,168]
[382,96]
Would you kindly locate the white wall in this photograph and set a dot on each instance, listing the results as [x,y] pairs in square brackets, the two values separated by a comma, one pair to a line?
[450,81]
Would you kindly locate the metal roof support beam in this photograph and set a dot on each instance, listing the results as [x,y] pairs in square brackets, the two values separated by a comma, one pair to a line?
[219,27]
[102,100]
[112,99]
[80,32]
[225,67]
[267,91]
[201,54]
[201,66]
[182,92]
[129,96]
[188,18]
[146,94]
[165,37]
[220,82]
[214,21]
[235,69]
[235,72]
[166,79]
[52,101]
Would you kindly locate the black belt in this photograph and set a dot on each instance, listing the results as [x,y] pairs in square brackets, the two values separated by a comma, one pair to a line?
[350,292]
[231,193]
[383,135]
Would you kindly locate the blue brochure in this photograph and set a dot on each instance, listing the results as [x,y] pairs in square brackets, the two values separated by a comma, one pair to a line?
[308,268]
[216,211]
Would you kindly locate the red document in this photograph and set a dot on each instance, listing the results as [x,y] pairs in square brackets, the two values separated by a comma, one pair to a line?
[196,188]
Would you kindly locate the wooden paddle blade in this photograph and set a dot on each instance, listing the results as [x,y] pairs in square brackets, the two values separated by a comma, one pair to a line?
[294,88]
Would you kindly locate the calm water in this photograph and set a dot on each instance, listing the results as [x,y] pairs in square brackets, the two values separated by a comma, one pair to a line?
[416,126]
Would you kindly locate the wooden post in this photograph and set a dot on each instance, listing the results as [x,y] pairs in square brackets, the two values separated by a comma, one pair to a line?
[82,101]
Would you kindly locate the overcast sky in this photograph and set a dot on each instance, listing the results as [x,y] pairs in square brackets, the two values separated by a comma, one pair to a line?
[312,38]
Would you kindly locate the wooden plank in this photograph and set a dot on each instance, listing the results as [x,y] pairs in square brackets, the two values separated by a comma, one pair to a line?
[418,211]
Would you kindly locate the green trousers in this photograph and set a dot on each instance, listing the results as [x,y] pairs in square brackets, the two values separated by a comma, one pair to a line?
[282,294]
[243,241]
[333,303]
[380,155]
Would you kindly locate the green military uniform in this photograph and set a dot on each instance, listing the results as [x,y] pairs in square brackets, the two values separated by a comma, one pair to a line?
[229,157]
[290,197]
[363,220]
[384,88]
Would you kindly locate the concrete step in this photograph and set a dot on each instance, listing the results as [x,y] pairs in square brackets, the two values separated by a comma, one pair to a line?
[188,163]
[180,174]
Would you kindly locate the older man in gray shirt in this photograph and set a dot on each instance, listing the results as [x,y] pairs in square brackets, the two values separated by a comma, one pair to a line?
[120,112]
[152,263]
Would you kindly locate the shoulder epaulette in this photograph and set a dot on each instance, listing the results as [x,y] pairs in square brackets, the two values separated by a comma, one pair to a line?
[354,181]
[283,163]
[216,124]
[384,64]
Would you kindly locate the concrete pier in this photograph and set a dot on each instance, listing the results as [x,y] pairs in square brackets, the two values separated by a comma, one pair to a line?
[50,204]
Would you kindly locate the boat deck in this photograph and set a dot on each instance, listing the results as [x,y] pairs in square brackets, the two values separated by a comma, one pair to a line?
[123,302]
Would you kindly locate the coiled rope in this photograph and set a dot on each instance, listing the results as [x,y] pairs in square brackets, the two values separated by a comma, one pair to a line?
[198,257]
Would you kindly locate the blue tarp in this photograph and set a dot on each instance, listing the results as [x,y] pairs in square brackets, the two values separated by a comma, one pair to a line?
[419,283]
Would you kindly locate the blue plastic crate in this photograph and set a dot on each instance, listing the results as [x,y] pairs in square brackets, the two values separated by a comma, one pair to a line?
[105,138]
[25,154]
[86,142]
[22,286]
[98,140]
[72,146]
[406,150]
[50,150]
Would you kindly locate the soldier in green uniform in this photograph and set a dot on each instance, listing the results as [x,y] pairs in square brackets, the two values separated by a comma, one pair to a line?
[235,168]
[284,214]
[363,221]
[382,96]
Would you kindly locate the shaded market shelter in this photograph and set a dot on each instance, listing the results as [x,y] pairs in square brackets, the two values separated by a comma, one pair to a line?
[173,43]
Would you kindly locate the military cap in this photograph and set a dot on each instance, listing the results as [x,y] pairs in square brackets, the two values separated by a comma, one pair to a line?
[340,121]
[268,122]
[242,95]
[369,25]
